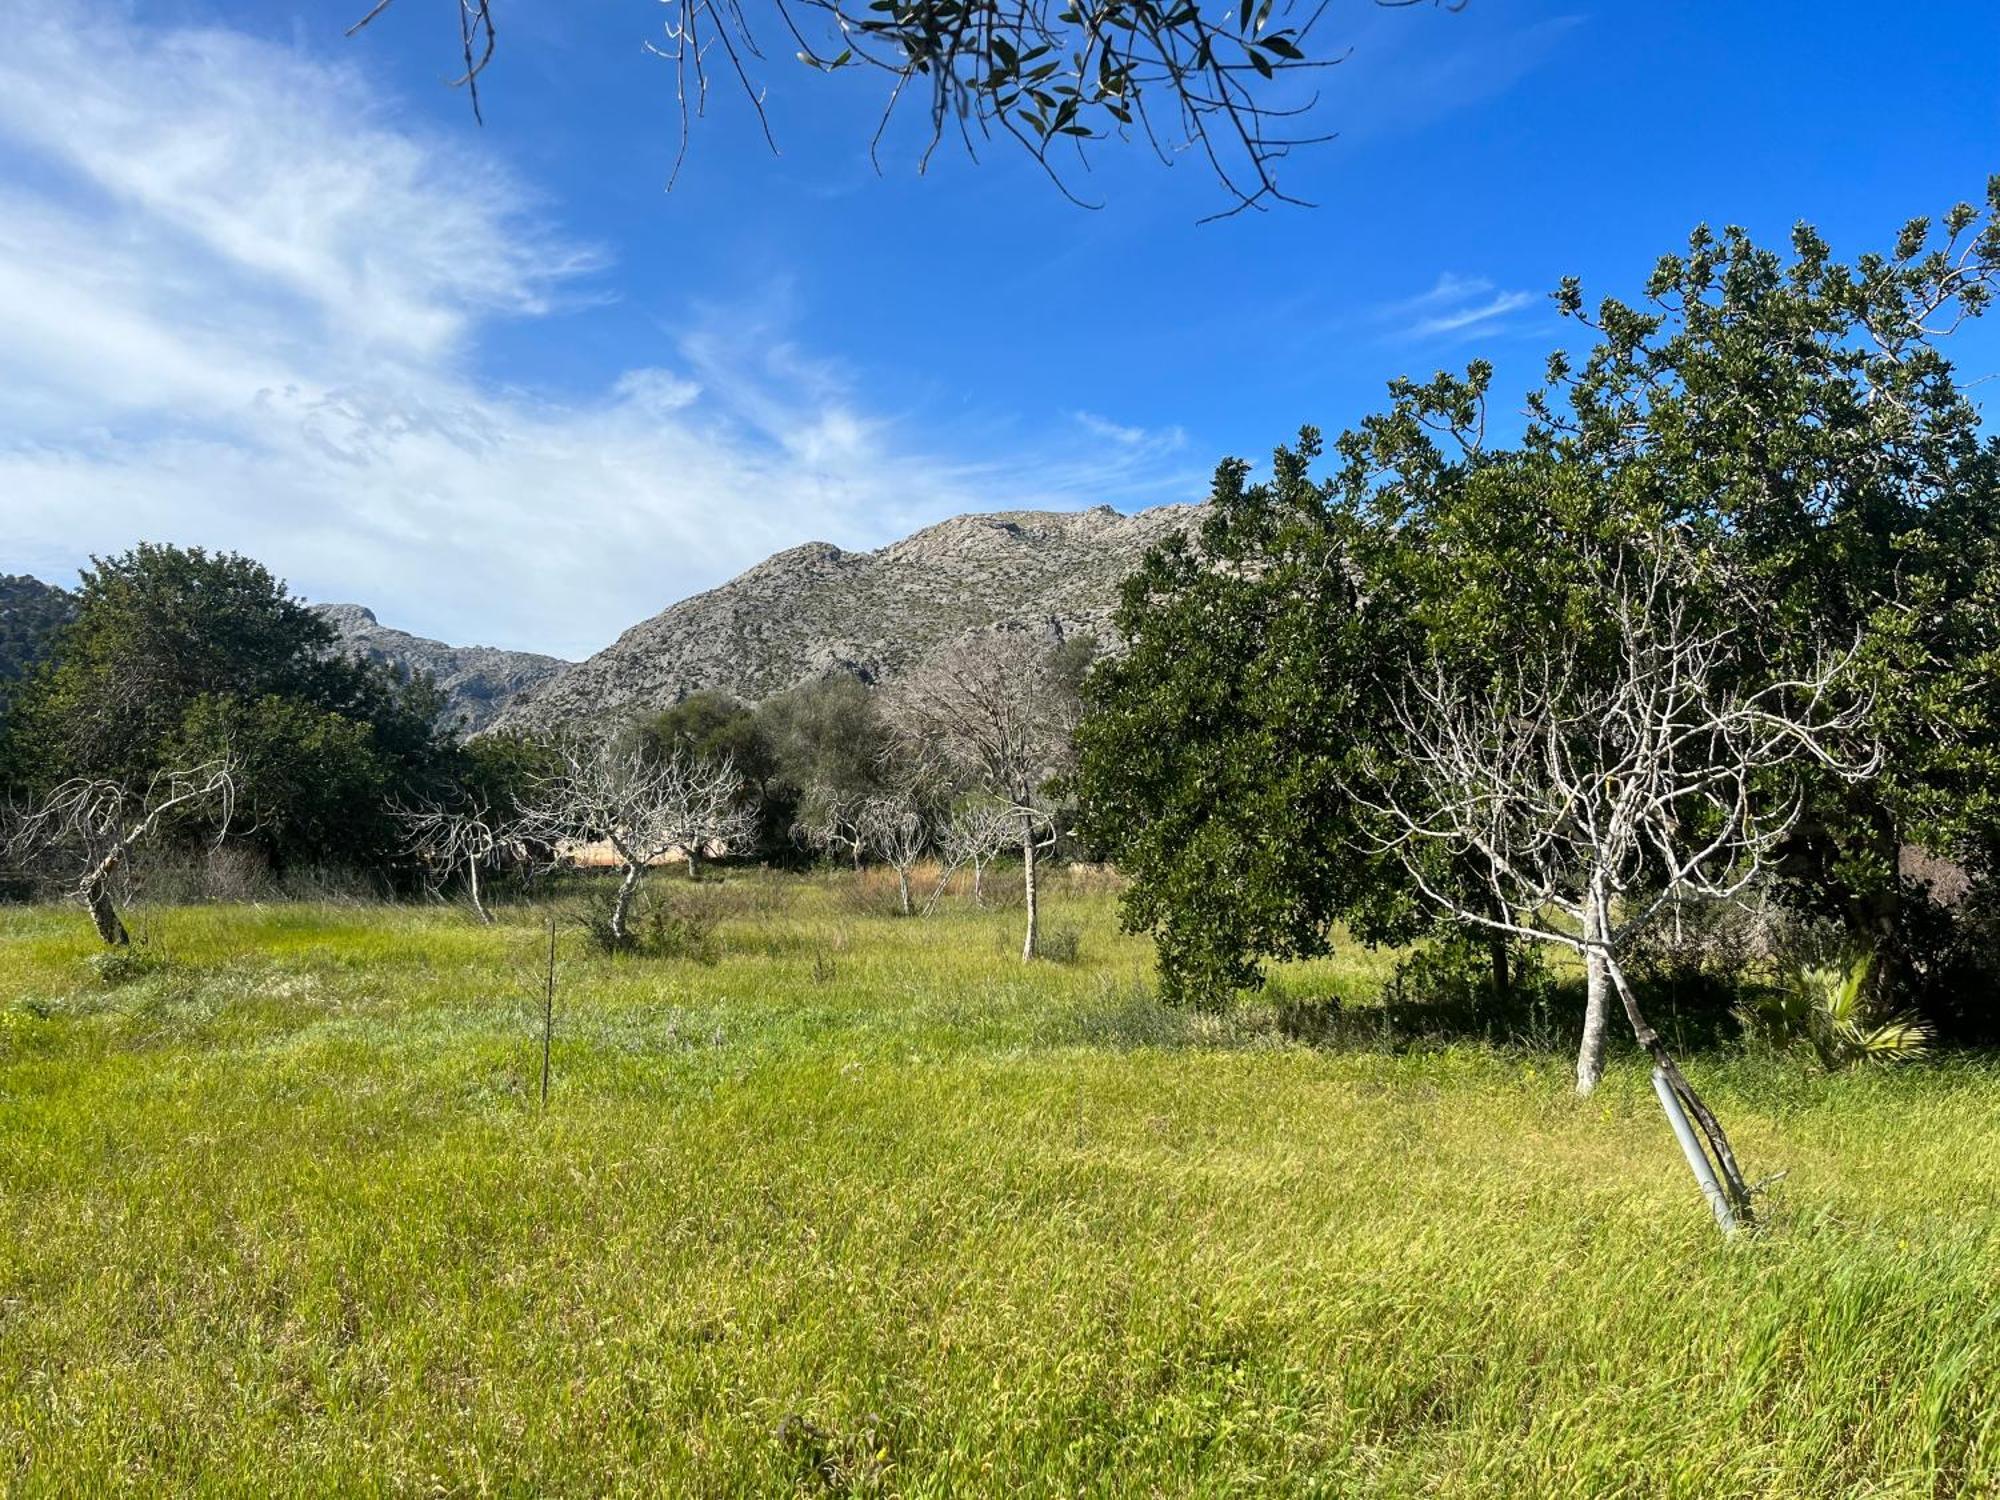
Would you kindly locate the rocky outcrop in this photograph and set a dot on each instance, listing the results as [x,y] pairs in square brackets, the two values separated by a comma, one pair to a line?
[477,681]
[817,609]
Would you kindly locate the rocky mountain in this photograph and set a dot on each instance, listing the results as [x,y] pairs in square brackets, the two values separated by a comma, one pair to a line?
[31,612]
[477,681]
[817,609]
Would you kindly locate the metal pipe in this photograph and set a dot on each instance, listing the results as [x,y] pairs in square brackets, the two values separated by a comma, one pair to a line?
[1697,1159]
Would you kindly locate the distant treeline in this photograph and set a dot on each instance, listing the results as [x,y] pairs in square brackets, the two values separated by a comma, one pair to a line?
[168,656]
[31,615]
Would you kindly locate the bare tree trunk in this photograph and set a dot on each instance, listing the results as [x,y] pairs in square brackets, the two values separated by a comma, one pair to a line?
[472,882]
[96,893]
[903,886]
[101,814]
[1028,944]
[1597,998]
[1496,950]
[1496,956]
[1711,1128]
[1596,1016]
[694,862]
[621,909]
[1503,978]
[978,883]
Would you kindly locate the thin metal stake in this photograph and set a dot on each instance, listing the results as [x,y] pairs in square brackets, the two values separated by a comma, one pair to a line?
[1697,1159]
[548,1012]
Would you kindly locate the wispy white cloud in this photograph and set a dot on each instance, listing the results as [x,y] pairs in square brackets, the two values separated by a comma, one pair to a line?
[1491,310]
[281,169]
[239,307]
[1124,435]
[1454,304]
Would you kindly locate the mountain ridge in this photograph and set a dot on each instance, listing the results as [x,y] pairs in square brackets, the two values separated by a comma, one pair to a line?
[477,681]
[816,608]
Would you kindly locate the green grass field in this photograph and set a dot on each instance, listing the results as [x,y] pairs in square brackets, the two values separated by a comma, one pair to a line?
[867,1207]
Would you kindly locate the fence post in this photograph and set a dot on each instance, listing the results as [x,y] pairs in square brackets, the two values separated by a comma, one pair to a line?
[548,1012]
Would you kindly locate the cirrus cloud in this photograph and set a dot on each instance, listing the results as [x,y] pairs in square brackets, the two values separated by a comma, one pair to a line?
[240,306]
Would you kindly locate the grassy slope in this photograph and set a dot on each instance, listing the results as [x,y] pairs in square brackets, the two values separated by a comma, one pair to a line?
[867,1206]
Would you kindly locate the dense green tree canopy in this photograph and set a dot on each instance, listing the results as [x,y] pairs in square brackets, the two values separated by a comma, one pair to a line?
[1792,414]
[709,726]
[827,738]
[713,726]
[178,654]
[1212,768]
[32,614]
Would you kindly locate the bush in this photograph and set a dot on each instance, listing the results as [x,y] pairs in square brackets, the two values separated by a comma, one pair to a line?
[1951,978]
[116,966]
[1445,988]
[1059,945]
[1833,1009]
[1700,942]
[188,874]
[660,925]
[679,927]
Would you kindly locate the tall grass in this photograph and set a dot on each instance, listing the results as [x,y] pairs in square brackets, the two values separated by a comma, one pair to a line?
[870,1207]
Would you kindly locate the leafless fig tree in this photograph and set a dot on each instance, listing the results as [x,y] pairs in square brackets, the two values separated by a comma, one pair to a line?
[832,824]
[646,809]
[895,830]
[973,834]
[465,838]
[999,712]
[1594,793]
[100,822]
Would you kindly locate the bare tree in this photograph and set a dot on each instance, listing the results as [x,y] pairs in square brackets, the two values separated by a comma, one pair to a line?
[101,821]
[831,824]
[973,834]
[1049,76]
[895,830]
[646,809]
[1594,798]
[467,837]
[999,711]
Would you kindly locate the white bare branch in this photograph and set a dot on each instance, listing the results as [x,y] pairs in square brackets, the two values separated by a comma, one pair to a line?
[974,834]
[100,821]
[470,837]
[995,712]
[1592,792]
[893,828]
[646,809]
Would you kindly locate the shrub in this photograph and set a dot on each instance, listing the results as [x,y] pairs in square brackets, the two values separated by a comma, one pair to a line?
[661,924]
[1444,988]
[118,966]
[1831,1008]
[1059,945]
[677,927]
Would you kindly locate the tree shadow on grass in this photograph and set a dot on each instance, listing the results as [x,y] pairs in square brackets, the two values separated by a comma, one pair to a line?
[1694,1015]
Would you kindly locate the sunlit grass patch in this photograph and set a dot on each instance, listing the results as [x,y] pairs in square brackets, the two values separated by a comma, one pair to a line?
[867,1203]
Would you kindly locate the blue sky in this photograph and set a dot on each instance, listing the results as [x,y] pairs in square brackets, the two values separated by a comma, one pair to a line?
[265,288]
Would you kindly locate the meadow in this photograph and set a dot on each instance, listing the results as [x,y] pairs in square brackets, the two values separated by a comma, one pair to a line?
[858,1204]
